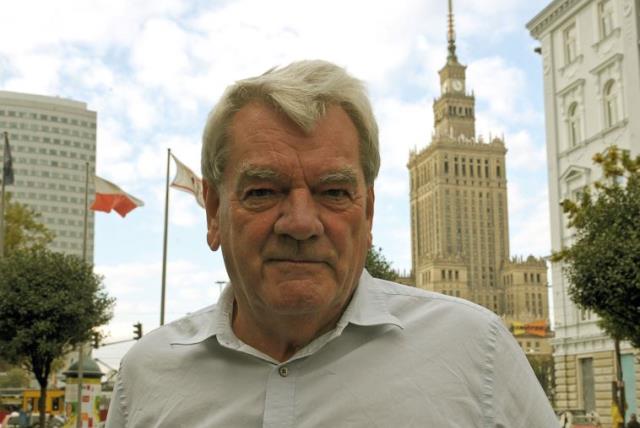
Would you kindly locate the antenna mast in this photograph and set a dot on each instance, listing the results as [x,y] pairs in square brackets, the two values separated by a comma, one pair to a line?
[451,34]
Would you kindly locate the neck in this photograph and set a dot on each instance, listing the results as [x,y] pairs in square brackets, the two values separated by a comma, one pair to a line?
[279,337]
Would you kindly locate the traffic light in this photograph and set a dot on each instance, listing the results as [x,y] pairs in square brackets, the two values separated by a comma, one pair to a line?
[95,337]
[137,330]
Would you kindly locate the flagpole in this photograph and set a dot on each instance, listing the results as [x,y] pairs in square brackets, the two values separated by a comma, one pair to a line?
[2,199]
[164,245]
[86,212]
[84,258]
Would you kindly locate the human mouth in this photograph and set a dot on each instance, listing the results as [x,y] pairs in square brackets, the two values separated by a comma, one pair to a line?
[295,261]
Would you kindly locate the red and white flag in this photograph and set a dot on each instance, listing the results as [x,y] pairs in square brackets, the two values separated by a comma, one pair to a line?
[111,197]
[187,181]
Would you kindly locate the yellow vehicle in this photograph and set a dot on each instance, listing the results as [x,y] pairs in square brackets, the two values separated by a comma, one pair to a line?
[54,404]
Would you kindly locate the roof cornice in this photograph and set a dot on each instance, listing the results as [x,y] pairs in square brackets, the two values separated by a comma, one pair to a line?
[550,15]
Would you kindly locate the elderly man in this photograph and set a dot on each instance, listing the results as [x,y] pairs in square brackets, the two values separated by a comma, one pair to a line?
[303,336]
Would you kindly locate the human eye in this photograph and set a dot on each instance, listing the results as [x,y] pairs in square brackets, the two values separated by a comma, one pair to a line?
[258,193]
[259,198]
[336,193]
[336,197]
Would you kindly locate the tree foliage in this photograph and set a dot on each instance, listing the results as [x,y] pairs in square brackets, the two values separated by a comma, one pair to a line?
[15,377]
[603,264]
[49,302]
[23,228]
[542,366]
[378,266]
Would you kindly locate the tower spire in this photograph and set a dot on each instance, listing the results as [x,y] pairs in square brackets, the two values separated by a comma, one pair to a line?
[451,34]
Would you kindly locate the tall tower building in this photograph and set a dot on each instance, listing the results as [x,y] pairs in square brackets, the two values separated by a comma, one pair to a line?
[591,74]
[459,218]
[51,140]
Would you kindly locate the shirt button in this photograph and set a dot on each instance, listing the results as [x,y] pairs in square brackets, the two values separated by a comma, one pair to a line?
[284,371]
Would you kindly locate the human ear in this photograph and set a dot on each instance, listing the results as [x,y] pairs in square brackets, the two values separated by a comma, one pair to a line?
[212,207]
[371,199]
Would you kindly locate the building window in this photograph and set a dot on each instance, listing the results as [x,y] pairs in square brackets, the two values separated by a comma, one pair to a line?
[584,315]
[605,18]
[588,387]
[610,103]
[574,125]
[540,304]
[570,44]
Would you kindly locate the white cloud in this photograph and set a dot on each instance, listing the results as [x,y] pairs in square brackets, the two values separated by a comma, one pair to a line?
[185,211]
[100,23]
[498,84]
[28,76]
[529,219]
[151,163]
[185,279]
[160,54]
[531,235]
[523,153]
[404,126]
[142,113]
[111,146]
[127,278]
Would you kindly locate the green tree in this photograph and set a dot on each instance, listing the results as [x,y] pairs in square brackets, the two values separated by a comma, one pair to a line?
[49,303]
[542,366]
[603,263]
[15,377]
[378,266]
[23,228]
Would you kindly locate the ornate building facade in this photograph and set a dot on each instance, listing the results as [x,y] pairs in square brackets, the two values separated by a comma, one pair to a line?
[591,73]
[460,220]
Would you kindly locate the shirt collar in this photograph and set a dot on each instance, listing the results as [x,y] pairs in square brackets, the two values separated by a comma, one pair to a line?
[368,307]
[208,322]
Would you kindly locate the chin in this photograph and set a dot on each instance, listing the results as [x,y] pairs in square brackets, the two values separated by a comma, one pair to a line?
[301,296]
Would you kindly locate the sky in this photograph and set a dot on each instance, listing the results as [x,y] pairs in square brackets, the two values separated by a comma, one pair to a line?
[153,70]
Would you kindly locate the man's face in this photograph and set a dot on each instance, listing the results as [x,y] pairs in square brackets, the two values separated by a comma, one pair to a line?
[293,214]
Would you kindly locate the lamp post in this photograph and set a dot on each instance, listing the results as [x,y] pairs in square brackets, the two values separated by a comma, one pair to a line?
[220,284]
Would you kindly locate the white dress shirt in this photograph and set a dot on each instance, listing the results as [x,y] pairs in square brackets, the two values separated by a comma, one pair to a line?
[398,357]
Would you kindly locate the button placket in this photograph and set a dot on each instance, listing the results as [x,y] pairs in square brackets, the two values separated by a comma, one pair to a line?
[280,398]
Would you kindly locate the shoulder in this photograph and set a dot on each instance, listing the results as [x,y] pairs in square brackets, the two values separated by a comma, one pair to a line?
[405,301]
[159,344]
[432,318]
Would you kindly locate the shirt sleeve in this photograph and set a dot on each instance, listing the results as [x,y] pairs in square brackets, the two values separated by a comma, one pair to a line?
[116,417]
[516,396]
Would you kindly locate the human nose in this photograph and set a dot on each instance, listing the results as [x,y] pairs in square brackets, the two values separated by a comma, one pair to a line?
[299,217]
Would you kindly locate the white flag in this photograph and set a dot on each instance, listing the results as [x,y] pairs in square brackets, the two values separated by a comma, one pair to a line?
[187,181]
